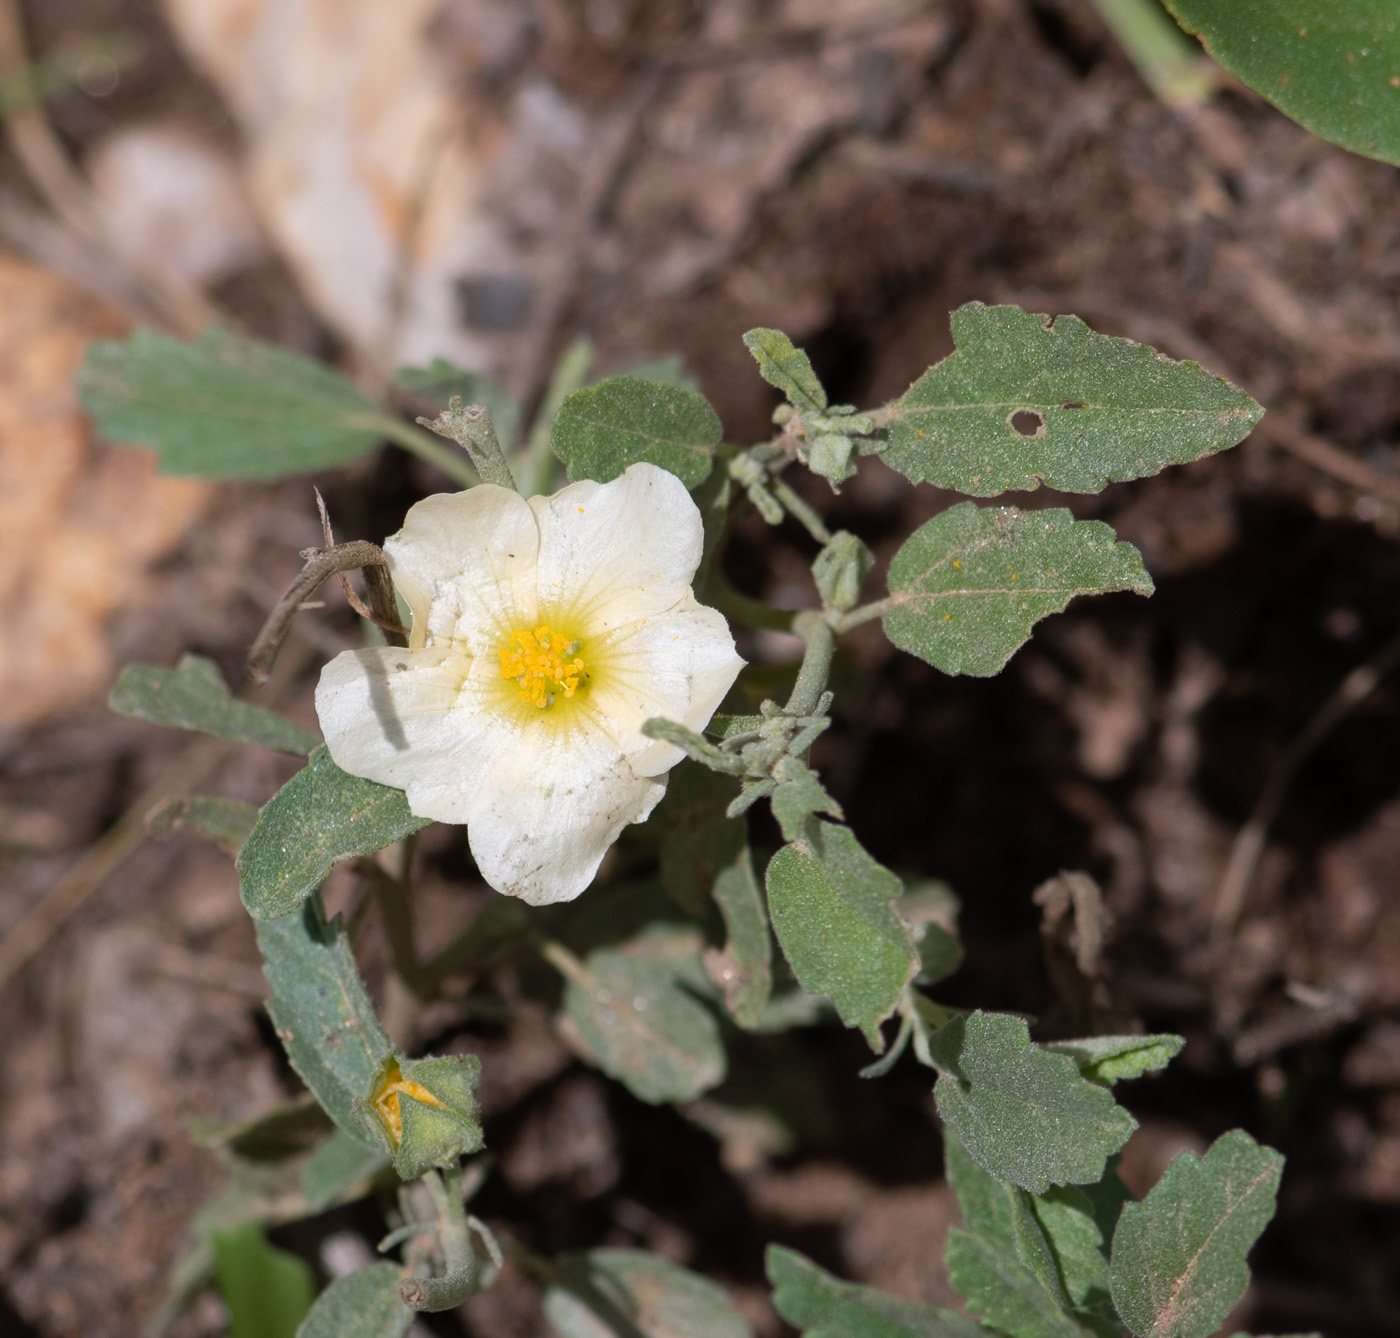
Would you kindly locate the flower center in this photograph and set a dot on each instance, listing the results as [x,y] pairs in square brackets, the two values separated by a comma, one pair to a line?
[385,1099]
[544,664]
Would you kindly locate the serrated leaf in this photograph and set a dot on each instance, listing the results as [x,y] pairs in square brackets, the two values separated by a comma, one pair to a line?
[1001,1291]
[1179,1256]
[823,1306]
[363,1304]
[787,368]
[1097,409]
[967,586]
[319,817]
[1024,1115]
[267,1291]
[744,969]
[224,406]
[829,902]
[611,1293]
[1331,68]
[1111,1059]
[697,839]
[322,1014]
[193,696]
[639,1022]
[440,380]
[602,429]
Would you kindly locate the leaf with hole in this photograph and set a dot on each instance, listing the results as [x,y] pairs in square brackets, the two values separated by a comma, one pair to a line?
[321,816]
[193,696]
[323,1016]
[787,368]
[967,586]
[823,1306]
[1025,401]
[612,1293]
[744,969]
[637,1020]
[1024,1115]
[363,1304]
[226,407]
[1334,69]
[602,429]
[1179,1257]
[829,902]
[267,1291]
[1111,1059]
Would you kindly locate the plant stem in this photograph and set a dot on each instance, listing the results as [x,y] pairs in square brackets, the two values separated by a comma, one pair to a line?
[865,613]
[811,522]
[428,447]
[461,1270]
[820,637]
[470,426]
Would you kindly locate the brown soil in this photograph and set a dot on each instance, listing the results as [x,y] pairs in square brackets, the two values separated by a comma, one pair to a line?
[1001,151]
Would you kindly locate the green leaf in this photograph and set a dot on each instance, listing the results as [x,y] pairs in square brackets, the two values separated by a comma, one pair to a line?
[193,696]
[697,839]
[338,1167]
[1111,1059]
[987,1205]
[930,909]
[1025,400]
[612,1293]
[1023,1114]
[968,585]
[1002,1291]
[440,380]
[641,1025]
[225,406]
[363,1304]
[322,1014]
[744,969]
[822,1306]
[799,795]
[787,368]
[319,817]
[670,370]
[1331,68]
[267,1291]
[226,822]
[602,429]
[1178,1262]
[830,906]
[1066,1216]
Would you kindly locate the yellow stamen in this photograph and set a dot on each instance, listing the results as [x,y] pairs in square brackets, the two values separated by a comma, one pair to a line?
[386,1099]
[544,663]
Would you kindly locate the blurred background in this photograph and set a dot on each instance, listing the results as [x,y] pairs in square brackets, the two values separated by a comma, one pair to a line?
[487,180]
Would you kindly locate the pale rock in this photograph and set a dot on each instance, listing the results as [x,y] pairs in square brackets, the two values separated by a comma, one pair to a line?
[175,202]
[79,524]
[346,115]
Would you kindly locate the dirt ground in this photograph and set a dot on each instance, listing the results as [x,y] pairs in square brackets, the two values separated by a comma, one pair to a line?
[1001,150]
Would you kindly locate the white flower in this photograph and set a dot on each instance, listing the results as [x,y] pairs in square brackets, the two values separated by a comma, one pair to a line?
[544,633]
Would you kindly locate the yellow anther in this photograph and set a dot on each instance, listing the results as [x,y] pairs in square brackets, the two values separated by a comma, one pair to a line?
[544,663]
[386,1099]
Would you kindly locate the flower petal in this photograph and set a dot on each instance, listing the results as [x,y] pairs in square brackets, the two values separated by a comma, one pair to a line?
[545,814]
[465,563]
[678,664]
[613,552]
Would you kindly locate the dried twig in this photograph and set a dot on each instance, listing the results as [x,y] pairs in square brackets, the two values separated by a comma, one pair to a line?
[321,565]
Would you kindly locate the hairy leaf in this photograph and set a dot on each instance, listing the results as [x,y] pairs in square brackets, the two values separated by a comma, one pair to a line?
[363,1304]
[226,822]
[267,1291]
[193,696]
[744,969]
[1025,400]
[1332,68]
[787,368]
[1178,1264]
[339,1166]
[967,586]
[641,1025]
[612,1293]
[1000,1290]
[322,1014]
[1024,1114]
[697,839]
[1111,1059]
[987,1205]
[822,1306]
[830,906]
[319,817]
[225,406]
[1066,1216]
[602,429]
[800,794]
